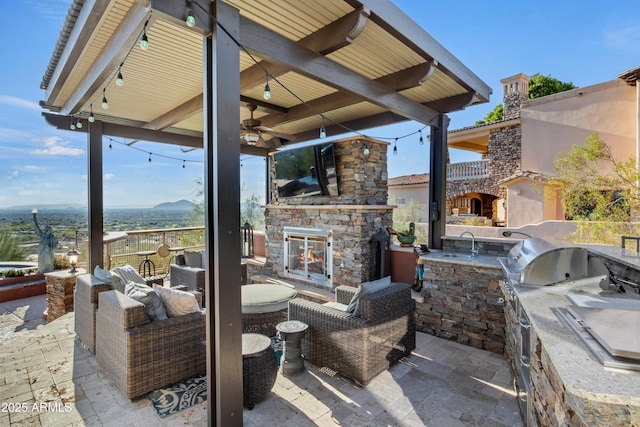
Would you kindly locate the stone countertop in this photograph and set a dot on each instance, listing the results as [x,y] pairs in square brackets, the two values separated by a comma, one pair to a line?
[462,258]
[582,374]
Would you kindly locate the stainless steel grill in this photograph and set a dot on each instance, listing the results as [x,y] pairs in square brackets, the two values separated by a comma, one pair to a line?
[535,261]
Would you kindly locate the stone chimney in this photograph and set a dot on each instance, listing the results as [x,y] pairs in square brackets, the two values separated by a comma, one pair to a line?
[515,90]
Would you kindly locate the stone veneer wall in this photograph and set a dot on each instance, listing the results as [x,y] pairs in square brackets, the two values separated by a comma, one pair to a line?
[462,303]
[356,214]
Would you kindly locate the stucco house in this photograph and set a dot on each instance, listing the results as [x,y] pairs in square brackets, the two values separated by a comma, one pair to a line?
[508,185]
[404,189]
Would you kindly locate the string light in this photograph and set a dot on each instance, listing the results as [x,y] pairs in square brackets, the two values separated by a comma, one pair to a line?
[72,125]
[129,145]
[91,116]
[267,90]
[395,147]
[79,123]
[366,149]
[144,41]
[105,104]
[323,132]
[421,142]
[110,147]
[191,20]
[120,80]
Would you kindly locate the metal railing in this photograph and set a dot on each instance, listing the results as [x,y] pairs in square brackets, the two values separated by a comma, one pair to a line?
[124,251]
[468,170]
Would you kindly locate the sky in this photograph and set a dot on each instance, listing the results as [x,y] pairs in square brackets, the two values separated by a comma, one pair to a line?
[583,42]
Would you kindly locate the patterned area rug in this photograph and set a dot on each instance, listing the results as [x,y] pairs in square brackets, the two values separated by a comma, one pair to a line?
[169,400]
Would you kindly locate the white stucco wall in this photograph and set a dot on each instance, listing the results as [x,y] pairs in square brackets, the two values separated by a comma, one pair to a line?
[419,193]
[555,123]
[525,202]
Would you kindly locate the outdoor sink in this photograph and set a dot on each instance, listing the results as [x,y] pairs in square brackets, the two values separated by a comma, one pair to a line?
[455,256]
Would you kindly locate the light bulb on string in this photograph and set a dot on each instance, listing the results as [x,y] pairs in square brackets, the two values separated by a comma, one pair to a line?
[78,123]
[395,147]
[105,104]
[144,41]
[183,164]
[366,149]
[421,142]
[150,157]
[72,125]
[120,79]
[110,147]
[191,20]
[323,132]
[267,90]
[91,116]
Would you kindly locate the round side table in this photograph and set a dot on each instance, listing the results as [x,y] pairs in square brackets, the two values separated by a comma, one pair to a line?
[145,266]
[291,332]
[259,368]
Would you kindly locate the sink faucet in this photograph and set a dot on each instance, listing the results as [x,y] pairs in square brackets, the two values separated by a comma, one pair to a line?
[474,251]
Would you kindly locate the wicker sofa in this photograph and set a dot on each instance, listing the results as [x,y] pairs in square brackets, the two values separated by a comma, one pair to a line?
[141,356]
[362,344]
[137,355]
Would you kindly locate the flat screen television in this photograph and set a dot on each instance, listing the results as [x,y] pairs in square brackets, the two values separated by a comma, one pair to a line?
[306,171]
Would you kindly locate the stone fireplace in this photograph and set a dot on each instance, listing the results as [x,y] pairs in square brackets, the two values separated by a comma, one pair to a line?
[338,227]
[308,255]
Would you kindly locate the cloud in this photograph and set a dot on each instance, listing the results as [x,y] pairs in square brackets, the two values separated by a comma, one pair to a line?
[55,146]
[32,168]
[13,175]
[19,102]
[13,135]
[108,176]
[623,38]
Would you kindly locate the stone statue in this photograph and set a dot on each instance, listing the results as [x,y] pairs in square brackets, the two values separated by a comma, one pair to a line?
[48,243]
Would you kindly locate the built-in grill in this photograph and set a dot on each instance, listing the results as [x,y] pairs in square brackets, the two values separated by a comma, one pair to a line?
[535,261]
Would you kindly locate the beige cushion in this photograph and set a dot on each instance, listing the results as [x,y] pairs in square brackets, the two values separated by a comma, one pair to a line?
[177,303]
[367,288]
[266,298]
[336,305]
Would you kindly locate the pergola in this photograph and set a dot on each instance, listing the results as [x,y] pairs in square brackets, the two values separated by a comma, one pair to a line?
[341,65]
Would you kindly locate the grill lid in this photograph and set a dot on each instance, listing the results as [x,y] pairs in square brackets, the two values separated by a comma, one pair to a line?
[535,261]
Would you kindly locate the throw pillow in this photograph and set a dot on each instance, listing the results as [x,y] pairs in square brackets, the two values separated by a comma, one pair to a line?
[367,288]
[177,302]
[192,259]
[146,295]
[102,274]
[120,276]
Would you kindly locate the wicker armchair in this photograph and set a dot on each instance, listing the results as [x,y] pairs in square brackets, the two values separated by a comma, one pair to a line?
[140,356]
[359,346]
[184,275]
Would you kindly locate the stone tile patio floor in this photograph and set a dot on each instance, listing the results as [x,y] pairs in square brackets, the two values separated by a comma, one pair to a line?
[442,383]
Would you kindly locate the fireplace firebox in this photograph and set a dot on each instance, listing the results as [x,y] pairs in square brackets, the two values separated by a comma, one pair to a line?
[308,255]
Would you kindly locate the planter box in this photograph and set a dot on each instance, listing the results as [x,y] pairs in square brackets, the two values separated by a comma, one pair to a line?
[13,288]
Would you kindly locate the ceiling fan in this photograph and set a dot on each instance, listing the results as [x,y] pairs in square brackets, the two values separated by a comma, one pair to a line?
[252,133]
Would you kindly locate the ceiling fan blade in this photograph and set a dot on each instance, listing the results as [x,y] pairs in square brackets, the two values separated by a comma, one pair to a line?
[271,132]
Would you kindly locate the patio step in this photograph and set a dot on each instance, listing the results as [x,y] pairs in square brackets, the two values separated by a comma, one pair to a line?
[21,290]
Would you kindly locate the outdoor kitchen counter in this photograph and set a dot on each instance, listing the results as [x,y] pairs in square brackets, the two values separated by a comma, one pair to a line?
[600,396]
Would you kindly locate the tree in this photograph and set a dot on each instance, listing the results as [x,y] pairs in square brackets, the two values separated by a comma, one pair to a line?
[598,191]
[10,250]
[493,116]
[539,86]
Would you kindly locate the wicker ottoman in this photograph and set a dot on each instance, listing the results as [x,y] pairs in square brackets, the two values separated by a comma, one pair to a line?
[264,306]
[259,368]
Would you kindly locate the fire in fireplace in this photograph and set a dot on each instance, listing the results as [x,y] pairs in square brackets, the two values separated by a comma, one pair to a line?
[308,255]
